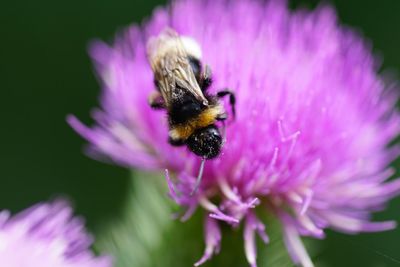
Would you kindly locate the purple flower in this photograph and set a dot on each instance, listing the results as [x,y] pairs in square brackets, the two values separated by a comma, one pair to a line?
[46,235]
[309,143]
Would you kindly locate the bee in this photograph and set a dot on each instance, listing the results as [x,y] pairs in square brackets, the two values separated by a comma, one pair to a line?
[181,84]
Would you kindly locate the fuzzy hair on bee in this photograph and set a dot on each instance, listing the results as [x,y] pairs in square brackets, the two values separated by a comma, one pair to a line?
[181,83]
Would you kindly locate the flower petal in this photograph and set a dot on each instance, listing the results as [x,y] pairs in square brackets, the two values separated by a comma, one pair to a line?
[212,240]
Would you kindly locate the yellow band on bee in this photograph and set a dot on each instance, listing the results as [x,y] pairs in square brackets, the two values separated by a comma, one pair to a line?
[204,119]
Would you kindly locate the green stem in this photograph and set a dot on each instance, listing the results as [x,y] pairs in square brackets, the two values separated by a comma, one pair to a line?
[145,235]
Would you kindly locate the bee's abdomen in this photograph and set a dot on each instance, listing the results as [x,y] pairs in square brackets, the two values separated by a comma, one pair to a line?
[205,118]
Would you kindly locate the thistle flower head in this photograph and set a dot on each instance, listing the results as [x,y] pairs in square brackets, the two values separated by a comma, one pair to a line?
[46,235]
[309,142]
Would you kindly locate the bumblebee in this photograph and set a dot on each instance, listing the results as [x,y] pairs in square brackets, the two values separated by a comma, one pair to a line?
[182,83]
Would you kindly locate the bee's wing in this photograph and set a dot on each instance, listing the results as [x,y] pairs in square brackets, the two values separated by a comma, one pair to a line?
[168,59]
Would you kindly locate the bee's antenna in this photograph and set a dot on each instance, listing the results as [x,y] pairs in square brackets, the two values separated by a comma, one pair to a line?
[199,176]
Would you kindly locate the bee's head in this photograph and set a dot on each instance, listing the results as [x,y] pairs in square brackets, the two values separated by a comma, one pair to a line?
[205,142]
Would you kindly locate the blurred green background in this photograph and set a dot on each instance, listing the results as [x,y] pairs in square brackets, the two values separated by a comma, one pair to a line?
[46,74]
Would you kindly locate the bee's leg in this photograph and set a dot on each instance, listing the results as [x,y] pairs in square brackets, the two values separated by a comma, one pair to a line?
[222,118]
[156,101]
[199,177]
[176,142]
[232,99]
[206,79]
[223,132]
